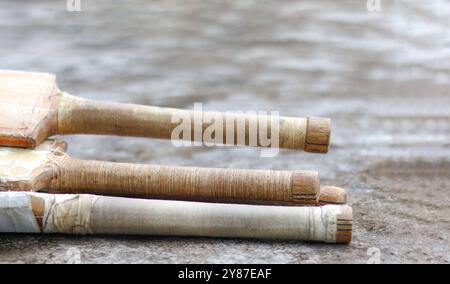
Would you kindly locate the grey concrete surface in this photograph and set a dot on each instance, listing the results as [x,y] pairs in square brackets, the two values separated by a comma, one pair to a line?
[383,77]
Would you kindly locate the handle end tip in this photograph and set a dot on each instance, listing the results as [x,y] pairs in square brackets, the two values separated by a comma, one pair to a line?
[344,225]
[318,132]
[306,187]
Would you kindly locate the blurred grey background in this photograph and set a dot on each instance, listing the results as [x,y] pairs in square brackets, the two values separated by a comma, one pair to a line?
[383,78]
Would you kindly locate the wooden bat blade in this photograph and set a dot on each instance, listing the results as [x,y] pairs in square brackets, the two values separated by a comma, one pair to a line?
[26,169]
[28,108]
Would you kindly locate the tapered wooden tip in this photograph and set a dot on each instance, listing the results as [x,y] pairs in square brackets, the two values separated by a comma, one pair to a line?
[332,195]
[305,187]
[318,132]
[344,225]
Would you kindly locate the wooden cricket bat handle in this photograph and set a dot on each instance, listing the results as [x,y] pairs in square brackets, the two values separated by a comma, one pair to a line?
[71,175]
[89,214]
[82,116]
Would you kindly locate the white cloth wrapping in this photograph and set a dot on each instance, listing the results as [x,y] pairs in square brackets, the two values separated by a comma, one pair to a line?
[91,214]
[16,214]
